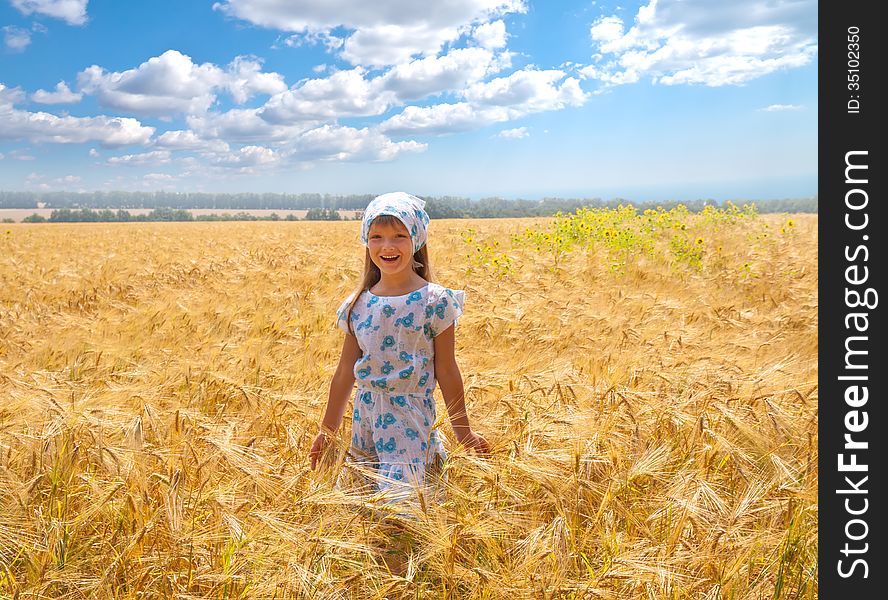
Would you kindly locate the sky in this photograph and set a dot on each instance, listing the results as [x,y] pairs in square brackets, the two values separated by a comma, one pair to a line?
[651,100]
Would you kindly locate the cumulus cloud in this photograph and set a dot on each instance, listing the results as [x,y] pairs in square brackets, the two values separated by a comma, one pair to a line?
[436,74]
[491,35]
[153,158]
[529,90]
[342,94]
[249,157]
[392,44]
[61,95]
[384,33]
[188,140]
[244,125]
[16,39]
[171,83]
[44,127]
[246,79]
[72,12]
[443,118]
[350,93]
[10,97]
[339,143]
[698,42]
[502,99]
[514,134]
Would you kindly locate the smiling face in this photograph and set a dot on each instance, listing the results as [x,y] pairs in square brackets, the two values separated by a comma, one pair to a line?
[390,246]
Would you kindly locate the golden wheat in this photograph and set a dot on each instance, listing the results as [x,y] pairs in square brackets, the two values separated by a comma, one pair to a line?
[654,429]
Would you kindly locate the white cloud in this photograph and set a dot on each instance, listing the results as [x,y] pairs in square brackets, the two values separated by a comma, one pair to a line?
[61,95]
[528,90]
[514,134]
[393,44]
[501,99]
[188,140]
[69,179]
[249,157]
[349,93]
[491,35]
[16,39]
[153,158]
[700,42]
[443,118]
[381,33]
[436,74]
[244,125]
[311,38]
[71,11]
[93,153]
[158,177]
[245,79]
[343,94]
[165,84]
[337,143]
[171,83]
[781,107]
[45,127]
[10,97]
[607,30]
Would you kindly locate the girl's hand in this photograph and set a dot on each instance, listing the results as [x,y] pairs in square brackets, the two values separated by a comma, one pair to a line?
[317,449]
[476,442]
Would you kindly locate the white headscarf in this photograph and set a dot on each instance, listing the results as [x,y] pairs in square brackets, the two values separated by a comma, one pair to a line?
[409,209]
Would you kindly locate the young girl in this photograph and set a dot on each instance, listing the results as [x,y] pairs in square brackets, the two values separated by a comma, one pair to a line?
[399,342]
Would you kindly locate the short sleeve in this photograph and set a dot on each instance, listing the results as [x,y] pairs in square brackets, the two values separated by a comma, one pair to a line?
[342,314]
[447,310]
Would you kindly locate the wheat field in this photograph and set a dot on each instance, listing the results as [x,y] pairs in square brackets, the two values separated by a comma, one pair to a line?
[654,427]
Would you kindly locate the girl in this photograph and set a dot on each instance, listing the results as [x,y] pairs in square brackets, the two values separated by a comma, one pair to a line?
[399,342]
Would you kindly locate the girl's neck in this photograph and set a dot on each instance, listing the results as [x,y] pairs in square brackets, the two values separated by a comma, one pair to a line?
[395,285]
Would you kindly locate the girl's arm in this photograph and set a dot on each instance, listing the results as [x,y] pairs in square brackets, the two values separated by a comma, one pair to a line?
[450,379]
[340,390]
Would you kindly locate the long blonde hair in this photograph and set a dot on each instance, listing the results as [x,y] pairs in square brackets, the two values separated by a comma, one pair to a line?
[371,271]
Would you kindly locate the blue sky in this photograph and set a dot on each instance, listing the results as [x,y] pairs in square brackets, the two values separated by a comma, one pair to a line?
[650,100]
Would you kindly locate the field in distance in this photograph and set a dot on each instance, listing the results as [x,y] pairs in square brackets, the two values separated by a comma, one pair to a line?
[17,214]
[648,382]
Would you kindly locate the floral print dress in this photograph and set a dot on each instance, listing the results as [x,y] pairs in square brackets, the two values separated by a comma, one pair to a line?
[394,406]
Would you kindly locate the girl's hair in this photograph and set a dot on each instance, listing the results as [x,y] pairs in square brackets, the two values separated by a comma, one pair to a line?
[371,271]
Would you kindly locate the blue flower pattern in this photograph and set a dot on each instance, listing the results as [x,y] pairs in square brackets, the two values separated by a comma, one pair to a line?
[405,321]
[394,405]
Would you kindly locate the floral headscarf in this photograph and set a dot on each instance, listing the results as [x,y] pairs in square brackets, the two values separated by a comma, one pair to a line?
[409,209]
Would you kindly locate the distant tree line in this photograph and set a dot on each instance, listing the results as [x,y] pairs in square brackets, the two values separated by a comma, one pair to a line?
[124,200]
[167,206]
[106,215]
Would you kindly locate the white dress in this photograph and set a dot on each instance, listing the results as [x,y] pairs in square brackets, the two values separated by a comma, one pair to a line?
[394,406]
